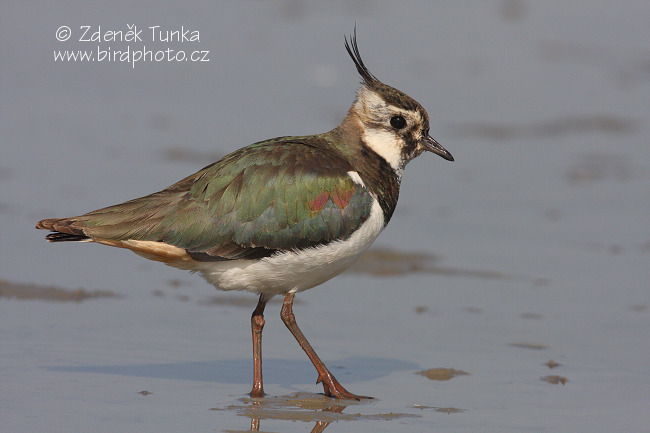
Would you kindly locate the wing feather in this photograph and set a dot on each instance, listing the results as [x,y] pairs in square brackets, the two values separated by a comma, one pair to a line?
[279,195]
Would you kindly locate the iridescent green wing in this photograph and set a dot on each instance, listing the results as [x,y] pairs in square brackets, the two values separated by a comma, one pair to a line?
[284,194]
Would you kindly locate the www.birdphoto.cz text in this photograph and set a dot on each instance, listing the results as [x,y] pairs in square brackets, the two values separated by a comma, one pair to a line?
[128,54]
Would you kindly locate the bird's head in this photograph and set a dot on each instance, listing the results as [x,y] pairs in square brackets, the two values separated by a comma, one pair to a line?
[392,124]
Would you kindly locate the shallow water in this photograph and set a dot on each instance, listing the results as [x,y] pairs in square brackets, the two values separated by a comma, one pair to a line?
[524,264]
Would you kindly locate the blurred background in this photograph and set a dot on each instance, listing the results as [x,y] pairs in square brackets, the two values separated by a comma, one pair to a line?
[533,246]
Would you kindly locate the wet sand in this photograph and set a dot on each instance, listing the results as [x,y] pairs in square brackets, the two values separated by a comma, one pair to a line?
[509,292]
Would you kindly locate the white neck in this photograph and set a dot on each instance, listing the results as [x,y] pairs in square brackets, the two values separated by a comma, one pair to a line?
[386,145]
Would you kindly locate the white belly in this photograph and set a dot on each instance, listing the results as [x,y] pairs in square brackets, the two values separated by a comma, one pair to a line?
[295,271]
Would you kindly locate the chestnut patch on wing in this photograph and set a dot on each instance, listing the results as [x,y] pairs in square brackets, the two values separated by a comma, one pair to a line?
[316,205]
[341,197]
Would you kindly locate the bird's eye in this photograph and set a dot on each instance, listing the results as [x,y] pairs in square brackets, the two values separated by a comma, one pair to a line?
[397,122]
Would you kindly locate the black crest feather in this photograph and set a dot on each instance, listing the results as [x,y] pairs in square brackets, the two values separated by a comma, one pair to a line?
[388,93]
[353,51]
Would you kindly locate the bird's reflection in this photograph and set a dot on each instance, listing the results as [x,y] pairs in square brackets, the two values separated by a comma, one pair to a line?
[320,425]
[310,408]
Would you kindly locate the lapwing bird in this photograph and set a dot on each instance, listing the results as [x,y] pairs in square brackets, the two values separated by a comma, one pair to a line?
[279,216]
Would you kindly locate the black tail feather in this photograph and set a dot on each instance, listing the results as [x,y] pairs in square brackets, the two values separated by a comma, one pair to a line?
[65,237]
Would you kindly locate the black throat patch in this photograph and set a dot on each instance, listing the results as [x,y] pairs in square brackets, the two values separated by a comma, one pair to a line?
[380,178]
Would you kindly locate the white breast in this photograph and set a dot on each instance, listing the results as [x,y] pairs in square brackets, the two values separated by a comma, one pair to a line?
[295,271]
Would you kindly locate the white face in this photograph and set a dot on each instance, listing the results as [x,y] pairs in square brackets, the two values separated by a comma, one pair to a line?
[387,145]
[381,136]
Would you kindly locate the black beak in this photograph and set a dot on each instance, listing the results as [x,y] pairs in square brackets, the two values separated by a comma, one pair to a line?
[428,143]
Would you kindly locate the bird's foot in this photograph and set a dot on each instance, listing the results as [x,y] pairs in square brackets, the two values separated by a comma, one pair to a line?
[332,388]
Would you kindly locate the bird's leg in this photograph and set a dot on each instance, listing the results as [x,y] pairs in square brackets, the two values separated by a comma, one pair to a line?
[257,324]
[331,386]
